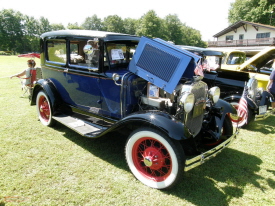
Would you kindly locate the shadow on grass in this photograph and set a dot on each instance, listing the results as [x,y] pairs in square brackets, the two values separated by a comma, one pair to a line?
[233,170]
[265,126]
[229,172]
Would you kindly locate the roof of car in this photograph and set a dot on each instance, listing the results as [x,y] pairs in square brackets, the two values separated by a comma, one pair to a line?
[201,51]
[83,33]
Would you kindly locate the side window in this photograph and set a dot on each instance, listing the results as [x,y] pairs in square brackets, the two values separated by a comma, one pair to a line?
[119,54]
[84,54]
[56,50]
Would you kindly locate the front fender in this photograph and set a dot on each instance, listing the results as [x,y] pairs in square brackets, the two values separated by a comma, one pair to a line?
[49,88]
[163,121]
[226,108]
[236,98]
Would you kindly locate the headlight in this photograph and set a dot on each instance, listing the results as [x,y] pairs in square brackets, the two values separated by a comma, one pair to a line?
[187,100]
[214,94]
[252,85]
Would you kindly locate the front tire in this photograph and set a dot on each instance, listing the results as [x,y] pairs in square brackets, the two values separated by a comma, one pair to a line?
[154,158]
[44,109]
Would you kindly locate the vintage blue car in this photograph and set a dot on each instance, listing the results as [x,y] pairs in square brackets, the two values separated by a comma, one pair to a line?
[99,82]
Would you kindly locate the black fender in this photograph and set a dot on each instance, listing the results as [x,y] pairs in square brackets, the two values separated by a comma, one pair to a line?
[160,120]
[48,87]
[225,107]
[236,98]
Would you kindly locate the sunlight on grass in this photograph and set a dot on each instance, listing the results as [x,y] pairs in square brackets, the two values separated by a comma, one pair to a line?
[55,166]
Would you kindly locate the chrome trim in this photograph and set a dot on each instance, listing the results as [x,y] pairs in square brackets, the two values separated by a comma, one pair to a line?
[200,159]
[122,98]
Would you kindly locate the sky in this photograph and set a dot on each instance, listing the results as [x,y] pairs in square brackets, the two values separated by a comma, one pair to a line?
[207,16]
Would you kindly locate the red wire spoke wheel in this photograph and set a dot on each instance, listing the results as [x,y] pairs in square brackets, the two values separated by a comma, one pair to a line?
[153,158]
[44,109]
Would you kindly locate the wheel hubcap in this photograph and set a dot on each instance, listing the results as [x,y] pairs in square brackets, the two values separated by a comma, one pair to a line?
[153,158]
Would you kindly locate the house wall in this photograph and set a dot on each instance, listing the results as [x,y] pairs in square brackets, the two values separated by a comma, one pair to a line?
[249,34]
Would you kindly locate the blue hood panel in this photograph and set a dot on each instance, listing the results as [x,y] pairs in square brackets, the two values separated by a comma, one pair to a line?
[162,63]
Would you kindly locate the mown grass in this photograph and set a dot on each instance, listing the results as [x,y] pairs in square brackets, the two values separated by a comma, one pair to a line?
[56,166]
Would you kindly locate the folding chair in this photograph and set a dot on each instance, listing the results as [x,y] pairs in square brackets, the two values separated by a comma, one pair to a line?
[27,88]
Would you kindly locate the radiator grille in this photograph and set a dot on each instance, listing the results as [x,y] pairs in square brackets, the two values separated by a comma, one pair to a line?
[195,117]
[158,62]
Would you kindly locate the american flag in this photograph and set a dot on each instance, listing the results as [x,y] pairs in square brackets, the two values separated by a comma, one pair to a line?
[242,109]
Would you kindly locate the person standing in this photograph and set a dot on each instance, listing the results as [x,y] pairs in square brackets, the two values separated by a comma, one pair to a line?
[271,86]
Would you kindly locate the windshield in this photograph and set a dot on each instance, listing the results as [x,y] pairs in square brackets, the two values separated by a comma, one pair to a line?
[236,58]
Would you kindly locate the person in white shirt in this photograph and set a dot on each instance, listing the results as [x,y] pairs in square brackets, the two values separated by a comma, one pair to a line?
[27,72]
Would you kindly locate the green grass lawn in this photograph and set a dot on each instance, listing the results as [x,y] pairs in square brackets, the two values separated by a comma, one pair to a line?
[55,166]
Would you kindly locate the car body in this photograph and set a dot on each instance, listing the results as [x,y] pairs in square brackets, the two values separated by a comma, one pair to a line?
[233,84]
[98,82]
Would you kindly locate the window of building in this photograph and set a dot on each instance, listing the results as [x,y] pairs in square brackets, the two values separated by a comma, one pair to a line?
[241,37]
[263,35]
[229,38]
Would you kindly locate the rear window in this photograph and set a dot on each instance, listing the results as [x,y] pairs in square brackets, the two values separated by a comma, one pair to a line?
[56,51]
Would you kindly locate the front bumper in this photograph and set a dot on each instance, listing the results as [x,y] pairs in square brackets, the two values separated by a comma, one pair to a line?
[200,159]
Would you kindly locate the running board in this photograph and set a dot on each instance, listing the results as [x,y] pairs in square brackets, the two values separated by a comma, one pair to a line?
[82,127]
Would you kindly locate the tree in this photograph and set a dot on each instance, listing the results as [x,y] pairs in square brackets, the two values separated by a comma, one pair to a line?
[74,26]
[11,30]
[150,25]
[257,11]
[55,27]
[172,30]
[93,23]
[192,37]
[130,26]
[44,25]
[114,23]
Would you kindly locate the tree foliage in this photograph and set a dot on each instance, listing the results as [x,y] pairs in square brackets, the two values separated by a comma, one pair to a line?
[20,33]
[113,23]
[257,11]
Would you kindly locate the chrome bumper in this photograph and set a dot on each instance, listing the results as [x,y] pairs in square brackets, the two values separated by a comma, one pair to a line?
[200,159]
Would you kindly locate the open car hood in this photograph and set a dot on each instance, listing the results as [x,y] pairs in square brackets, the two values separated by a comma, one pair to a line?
[260,59]
[162,64]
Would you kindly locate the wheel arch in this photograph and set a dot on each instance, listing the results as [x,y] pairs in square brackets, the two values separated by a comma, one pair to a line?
[158,120]
[48,87]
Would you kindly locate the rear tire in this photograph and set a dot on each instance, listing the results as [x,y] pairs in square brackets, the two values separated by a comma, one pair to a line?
[154,158]
[44,109]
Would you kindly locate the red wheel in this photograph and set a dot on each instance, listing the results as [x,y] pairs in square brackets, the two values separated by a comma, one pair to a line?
[44,109]
[154,159]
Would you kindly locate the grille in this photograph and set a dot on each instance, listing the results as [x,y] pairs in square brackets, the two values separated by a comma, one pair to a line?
[195,117]
[158,62]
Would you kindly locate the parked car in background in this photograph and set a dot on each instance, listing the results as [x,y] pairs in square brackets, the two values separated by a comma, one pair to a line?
[257,66]
[232,85]
[98,82]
